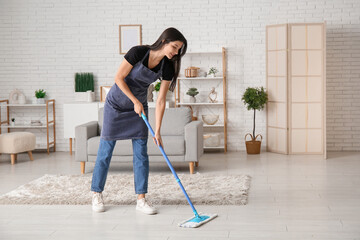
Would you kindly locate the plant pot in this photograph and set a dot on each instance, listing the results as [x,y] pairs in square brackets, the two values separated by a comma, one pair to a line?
[40,100]
[90,96]
[81,96]
[155,95]
[192,99]
[253,146]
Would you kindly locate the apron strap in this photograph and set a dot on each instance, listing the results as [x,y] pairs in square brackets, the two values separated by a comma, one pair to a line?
[162,63]
[142,60]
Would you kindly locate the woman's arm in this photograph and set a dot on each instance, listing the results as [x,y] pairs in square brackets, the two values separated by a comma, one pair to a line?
[160,108]
[123,71]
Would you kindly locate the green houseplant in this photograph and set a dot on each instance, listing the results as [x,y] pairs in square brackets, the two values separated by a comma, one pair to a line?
[40,95]
[192,92]
[212,71]
[84,86]
[84,82]
[157,86]
[254,99]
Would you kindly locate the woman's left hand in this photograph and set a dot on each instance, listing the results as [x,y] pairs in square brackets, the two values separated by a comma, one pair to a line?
[157,139]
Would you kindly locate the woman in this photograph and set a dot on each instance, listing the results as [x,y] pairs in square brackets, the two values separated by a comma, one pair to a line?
[127,100]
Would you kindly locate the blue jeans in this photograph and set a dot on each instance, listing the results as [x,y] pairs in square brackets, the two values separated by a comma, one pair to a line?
[140,165]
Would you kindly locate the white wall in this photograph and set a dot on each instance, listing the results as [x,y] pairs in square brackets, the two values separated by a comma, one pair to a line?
[44,42]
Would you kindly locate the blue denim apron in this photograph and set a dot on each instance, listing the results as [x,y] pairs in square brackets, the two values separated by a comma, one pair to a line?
[120,119]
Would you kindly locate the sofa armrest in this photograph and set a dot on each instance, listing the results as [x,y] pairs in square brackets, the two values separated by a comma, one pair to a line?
[194,141]
[82,133]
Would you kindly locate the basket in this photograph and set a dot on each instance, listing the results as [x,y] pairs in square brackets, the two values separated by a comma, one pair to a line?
[191,72]
[253,146]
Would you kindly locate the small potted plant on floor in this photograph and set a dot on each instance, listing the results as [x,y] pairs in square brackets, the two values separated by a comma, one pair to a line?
[192,92]
[40,95]
[255,99]
[12,122]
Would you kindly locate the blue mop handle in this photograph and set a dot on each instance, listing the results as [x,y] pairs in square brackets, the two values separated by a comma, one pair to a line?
[170,166]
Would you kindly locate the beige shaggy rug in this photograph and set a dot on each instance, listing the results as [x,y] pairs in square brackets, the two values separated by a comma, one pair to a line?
[119,190]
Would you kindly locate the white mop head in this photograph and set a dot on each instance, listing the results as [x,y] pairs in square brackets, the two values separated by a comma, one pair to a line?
[194,222]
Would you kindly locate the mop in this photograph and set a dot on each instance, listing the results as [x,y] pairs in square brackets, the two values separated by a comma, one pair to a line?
[199,218]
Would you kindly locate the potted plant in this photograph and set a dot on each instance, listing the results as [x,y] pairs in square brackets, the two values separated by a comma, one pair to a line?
[192,92]
[254,98]
[84,87]
[212,71]
[12,122]
[40,95]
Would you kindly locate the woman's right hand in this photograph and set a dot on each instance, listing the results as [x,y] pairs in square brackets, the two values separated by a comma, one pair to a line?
[139,108]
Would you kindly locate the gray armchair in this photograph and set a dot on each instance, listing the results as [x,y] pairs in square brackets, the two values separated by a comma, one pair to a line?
[182,139]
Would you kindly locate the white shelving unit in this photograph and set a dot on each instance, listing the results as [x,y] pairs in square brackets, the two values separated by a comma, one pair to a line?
[207,105]
[49,123]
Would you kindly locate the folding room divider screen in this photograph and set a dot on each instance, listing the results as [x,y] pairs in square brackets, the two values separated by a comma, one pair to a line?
[296,84]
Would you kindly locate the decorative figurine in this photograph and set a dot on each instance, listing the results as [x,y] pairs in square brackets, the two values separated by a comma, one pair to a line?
[213,95]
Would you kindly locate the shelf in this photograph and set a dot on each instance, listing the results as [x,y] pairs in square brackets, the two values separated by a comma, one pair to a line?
[200,78]
[25,105]
[200,104]
[211,55]
[213,126]
[220,147]
[25,126]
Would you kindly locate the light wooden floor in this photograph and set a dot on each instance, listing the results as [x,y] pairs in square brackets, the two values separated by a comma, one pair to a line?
[291,197]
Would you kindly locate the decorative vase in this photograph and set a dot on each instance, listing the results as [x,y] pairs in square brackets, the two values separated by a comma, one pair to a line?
[12,123]
[253,146]
[192,99]
[16,96]
[211,75]
[22,99]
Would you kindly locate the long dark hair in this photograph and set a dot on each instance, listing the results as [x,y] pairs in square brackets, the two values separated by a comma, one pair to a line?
[170,35]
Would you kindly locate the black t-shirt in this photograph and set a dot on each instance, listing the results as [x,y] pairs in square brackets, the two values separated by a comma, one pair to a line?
[136,53]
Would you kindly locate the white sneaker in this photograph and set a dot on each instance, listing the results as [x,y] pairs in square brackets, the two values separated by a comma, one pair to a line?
[98,203]
[145,206]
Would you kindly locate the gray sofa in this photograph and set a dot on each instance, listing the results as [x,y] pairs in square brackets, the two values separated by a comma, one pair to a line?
[182,139]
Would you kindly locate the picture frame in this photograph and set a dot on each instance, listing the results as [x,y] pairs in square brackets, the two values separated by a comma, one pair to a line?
[129,36]
[104,90]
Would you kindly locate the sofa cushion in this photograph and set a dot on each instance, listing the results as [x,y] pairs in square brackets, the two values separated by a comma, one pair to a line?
[174,145]
[173,122]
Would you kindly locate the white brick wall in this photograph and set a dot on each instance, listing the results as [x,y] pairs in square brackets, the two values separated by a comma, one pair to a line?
[44,42]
